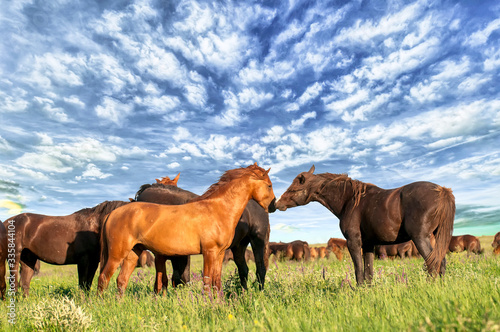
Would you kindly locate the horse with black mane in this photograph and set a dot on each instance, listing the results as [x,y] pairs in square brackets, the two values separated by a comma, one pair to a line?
[253,228]
[370,215]
[59,240]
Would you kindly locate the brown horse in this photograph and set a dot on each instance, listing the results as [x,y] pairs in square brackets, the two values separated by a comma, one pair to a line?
[146,259]
[60,240]
[295,250]
[253,227]
[401,250]
[205,225]
[496,244]
[323,252]
[370,215]
[341,243]
[465,242]
[3,258]
[229,256]
[313,253]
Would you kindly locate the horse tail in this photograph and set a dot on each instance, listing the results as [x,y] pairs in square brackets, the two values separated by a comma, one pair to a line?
[104,243]
[445,215]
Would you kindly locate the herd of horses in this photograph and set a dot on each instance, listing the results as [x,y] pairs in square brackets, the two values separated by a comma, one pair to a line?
[174,224]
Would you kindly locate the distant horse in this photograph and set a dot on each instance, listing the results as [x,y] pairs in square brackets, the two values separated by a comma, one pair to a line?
[278,249]
[323,252]
[229,256]
[205,225]
[253,227]
[496,244]
[146,259]
[370,215]
[60,240]
[401,250]
[295,250]
[341,243]
[3,258]
[313,252]
[465,242]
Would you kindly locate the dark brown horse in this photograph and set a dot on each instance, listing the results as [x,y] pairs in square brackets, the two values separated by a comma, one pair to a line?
[370,215]
[465,242]
[204,226]
[60,240]
[496,244]
[401,250]
[253,227]
[278,249]
[3,258]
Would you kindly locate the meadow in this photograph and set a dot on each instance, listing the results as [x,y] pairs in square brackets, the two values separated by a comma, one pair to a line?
[299,296]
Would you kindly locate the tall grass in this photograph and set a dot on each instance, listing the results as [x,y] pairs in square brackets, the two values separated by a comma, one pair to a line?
[310,296]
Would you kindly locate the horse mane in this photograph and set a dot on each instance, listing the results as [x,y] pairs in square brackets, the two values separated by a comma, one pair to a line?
[102,209]
[229,176]
[358,187]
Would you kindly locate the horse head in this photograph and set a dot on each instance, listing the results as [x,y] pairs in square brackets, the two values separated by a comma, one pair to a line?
[262,191]
[299,192]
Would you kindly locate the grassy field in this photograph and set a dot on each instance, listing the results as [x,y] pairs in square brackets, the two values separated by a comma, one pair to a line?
[310,296]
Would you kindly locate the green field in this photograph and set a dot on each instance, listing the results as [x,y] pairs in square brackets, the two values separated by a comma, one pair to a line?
[310,296]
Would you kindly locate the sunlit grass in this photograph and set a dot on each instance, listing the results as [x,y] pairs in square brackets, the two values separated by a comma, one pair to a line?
[311,296]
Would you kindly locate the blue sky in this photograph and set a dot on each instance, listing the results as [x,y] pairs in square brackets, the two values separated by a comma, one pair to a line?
[100,97]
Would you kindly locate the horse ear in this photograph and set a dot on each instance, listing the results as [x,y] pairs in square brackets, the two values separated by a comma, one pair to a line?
[312,169]
[267,172]
[176,179]
[158,181]
[255,163]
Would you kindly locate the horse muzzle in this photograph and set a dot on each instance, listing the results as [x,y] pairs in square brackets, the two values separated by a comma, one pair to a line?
[272,206]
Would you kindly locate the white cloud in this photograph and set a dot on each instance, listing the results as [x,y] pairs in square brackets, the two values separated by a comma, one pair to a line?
[92,172]
[480,37]
[298,123]
[274,134]
[173,165]
[113,110]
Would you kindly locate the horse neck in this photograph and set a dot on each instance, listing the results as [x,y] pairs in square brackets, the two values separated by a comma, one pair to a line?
[333,194]
[232,199]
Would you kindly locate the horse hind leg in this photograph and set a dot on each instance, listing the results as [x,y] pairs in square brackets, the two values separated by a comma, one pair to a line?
[28,261]
[181,269]
[161,280]
[128,266]
[261,257]
[424,247]
[239,259]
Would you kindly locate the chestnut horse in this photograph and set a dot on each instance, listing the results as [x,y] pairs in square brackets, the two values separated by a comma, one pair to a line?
[205,225]
[465,242]
[370,215]
[60,240]
[401,250]
[496,244]
[295,250]
[3,258]
[253,227]
[229,256]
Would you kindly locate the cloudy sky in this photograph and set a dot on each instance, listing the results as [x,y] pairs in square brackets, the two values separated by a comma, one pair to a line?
[100,97]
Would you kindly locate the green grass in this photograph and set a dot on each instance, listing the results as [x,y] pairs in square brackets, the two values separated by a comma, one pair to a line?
[311,296]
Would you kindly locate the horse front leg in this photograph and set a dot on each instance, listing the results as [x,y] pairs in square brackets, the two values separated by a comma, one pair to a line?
[354,247]
[128,266]
[368,255]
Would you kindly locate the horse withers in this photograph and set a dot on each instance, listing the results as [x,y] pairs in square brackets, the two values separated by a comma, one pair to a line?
[370,215]
[205,225]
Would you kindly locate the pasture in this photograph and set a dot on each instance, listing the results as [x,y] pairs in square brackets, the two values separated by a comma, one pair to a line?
[298,296]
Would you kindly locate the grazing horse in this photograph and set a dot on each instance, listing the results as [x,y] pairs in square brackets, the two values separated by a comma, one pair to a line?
[146,259]
[465,242]
[323,252]
[341,243]
[60,240]
[370,215]
[295,250]
[3,259]
[253,227]
[313,252]
[496,244]
[401,250]
[205,225]
[229,256]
